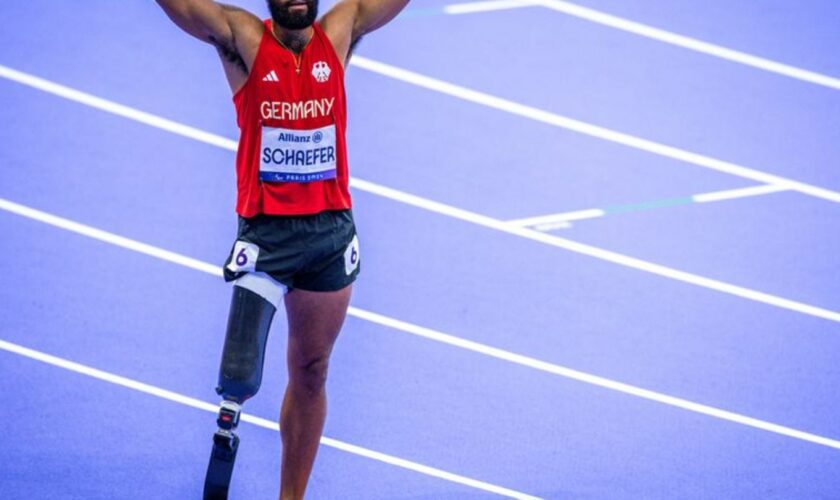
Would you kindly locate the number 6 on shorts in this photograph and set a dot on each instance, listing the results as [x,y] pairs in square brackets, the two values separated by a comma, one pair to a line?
[244,257]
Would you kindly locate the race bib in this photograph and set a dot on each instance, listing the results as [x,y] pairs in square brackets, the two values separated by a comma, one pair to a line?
[351,256]
[289,155]
[244,257]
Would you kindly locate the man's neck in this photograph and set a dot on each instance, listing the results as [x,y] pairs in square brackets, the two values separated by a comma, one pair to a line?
[294,40]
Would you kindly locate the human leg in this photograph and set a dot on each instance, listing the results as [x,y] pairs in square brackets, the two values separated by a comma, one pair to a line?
[253,304]
[315,319]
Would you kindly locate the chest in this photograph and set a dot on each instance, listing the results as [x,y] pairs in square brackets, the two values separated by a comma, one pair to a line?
[311,76]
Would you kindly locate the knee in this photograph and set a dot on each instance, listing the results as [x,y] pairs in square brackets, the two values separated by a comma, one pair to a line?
[310,376]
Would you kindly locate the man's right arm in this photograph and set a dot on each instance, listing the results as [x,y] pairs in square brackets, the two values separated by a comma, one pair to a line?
[233,31]
[203,19]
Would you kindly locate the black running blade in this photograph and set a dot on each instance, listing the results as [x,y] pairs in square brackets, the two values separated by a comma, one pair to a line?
[220,468]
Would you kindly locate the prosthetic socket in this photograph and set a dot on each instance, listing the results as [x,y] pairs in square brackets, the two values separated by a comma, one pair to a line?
[240,376]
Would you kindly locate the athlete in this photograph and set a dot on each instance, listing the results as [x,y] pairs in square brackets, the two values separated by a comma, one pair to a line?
[296,241]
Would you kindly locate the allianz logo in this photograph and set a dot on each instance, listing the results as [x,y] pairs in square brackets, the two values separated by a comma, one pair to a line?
[287,137]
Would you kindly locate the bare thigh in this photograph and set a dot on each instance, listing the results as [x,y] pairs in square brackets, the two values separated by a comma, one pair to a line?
[315,319]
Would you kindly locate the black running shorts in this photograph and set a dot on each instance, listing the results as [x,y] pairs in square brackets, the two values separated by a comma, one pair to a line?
[319,253]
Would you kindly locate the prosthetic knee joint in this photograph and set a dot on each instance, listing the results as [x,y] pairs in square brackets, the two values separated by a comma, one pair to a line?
[240,376]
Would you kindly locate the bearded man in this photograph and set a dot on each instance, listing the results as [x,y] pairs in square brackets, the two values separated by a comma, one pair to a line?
[296,241]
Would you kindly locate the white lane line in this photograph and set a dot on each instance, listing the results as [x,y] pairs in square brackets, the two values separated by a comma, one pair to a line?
[464,215]
[108,237]
[599,253]
[553,226]
[690,43]
[116,108]
[647,31]
[261,422]
[596,380]
[587,128]
[489,222]
[733,194]
[488,6]
[494,352]
[561,220]
[444,88]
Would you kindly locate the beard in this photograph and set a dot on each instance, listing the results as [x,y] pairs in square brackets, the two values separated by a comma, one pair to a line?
[286,19]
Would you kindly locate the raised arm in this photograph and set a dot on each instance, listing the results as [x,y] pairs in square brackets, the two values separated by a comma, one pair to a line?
[233,31]
[373,14]
[203,19]
[349,20]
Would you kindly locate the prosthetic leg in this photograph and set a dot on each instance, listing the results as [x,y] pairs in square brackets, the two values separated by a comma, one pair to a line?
[240,376]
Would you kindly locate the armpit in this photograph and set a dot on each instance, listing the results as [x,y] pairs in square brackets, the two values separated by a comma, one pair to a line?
[229,54]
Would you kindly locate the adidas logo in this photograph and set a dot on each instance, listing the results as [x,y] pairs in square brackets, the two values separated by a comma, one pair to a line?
[271,77]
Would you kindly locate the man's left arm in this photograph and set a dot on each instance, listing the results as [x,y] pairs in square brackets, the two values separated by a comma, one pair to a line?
[349,20]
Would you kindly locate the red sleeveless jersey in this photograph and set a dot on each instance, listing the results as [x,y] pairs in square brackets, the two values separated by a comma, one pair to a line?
[292,114]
